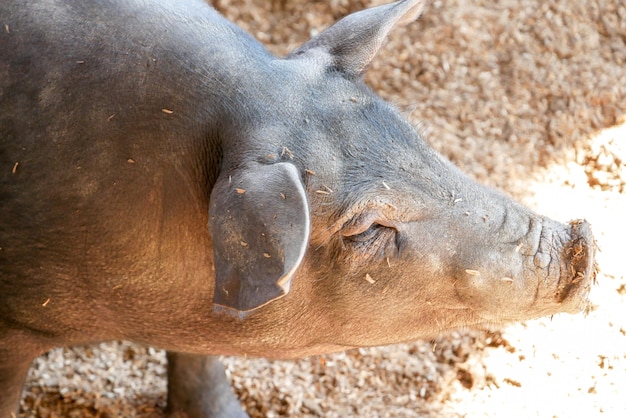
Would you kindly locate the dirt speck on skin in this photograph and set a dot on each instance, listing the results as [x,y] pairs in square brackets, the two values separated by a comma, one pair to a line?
[526,96]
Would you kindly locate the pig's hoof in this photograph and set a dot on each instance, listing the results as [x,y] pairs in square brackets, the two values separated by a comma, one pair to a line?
[198,388]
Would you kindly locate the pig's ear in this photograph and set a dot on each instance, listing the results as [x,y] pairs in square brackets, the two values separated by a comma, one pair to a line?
[351,43]
[259,222]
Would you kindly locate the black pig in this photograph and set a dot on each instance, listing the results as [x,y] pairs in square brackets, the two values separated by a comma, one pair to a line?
[166,180]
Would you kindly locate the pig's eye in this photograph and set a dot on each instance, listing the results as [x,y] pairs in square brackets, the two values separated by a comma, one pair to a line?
[367,235]
[374,239]
[365,227]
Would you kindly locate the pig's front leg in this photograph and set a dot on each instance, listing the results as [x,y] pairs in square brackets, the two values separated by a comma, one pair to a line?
[198,388]
[17,351]
[12,377]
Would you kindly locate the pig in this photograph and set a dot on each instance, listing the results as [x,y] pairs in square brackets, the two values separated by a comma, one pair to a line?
[164,179]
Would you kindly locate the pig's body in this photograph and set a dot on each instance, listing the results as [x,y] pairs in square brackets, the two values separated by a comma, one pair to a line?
[127,127]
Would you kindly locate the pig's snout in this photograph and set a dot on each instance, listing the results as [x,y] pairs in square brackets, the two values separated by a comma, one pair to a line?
[578,268]
[549,271]
[563,267]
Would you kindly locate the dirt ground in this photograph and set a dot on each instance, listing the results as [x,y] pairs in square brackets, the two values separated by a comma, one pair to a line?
[526,96]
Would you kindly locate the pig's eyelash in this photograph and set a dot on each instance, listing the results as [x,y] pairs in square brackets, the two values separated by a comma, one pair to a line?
[366,235]
[377,241]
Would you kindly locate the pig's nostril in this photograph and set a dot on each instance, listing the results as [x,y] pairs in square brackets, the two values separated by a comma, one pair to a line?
[578,254]
[581,248]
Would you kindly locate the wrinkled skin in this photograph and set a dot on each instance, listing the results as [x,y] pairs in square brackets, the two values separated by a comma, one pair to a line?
[150,151]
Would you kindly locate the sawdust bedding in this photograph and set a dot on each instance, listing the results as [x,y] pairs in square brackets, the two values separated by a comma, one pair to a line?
[526,96]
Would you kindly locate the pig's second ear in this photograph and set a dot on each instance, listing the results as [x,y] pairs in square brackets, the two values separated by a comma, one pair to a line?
[352,43]
[259,222]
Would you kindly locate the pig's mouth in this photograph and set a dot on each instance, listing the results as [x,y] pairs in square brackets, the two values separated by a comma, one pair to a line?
[578,268]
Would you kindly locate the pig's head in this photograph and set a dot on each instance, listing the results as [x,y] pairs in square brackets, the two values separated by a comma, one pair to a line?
[338,204]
